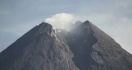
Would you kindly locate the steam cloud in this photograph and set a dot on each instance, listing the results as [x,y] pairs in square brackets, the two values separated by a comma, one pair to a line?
[62,20]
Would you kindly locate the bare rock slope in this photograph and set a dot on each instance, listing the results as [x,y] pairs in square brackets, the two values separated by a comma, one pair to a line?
[95,50]
[85,47]
[39,49]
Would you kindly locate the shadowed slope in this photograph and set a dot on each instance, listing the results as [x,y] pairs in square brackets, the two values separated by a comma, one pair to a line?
[95,50]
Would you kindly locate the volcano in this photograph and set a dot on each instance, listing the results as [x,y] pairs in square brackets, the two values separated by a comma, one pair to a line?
[84,47]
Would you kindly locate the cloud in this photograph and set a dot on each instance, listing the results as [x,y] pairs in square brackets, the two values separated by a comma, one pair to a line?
[61,20]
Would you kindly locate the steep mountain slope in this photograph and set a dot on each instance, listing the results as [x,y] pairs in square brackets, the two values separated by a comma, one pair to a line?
[39,49]
[95,50]
[85,47]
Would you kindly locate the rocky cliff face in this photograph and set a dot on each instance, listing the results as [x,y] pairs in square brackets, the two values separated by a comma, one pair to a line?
[85,47]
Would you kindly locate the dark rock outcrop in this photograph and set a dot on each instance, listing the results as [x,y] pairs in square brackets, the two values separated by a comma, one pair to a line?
[85,47]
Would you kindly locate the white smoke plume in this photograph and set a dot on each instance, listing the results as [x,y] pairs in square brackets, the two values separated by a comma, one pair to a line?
[62,20]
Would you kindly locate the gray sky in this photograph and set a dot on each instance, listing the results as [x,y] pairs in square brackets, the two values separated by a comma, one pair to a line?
[112,16]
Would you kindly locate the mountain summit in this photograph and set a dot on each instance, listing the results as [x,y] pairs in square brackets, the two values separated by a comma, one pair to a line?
[84,47]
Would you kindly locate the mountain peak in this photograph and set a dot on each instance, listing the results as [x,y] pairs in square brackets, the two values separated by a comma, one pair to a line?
[45,26]
[85,47]
[87,21]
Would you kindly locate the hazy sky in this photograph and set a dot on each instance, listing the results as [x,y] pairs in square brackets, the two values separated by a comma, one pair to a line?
[112,16]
